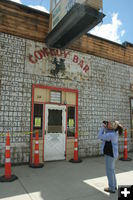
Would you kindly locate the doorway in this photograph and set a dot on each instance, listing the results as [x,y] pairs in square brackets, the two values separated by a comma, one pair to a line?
[55,116]
[55,132]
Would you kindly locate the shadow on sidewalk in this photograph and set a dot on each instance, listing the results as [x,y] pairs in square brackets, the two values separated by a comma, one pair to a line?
[62,180]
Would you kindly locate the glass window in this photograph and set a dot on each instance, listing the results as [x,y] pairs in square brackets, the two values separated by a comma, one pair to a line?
[71,121]
[54,121]
[55,96]
[54,3]
[38,119]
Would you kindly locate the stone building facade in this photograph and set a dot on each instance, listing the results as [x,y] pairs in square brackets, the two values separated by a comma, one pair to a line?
[104,91]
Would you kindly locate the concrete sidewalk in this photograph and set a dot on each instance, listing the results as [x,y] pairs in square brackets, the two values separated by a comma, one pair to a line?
[63,180]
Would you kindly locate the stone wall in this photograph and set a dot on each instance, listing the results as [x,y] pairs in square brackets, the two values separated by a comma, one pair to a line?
[103,95]
[15,101]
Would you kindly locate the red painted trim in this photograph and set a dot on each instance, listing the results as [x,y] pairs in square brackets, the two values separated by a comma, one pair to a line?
[66,135]
[35,102]
[43,128]
[32,113]
[53,103]
[76,113]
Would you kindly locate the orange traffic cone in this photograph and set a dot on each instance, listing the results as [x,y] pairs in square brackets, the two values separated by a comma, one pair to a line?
[125,156]
[76,159]
[8,177]
[36,163]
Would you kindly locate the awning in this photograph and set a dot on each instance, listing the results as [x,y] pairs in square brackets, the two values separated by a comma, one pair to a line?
[78,21]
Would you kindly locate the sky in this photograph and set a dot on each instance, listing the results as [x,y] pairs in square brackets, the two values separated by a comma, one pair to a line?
[116,26]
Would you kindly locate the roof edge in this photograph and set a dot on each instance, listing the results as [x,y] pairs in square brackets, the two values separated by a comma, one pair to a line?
[26,8]
[106,40]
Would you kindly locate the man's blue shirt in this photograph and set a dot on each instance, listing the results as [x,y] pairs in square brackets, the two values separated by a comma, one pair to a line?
[109,135]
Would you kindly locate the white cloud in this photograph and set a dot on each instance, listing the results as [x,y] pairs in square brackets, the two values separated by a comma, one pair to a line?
[17,1]
[122,32]
[111,30]
[35,7]
[39,8]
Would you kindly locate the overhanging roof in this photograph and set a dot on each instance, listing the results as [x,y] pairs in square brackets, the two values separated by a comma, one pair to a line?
[79,20]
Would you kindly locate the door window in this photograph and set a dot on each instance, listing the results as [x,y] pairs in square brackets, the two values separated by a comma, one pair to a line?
[54,121]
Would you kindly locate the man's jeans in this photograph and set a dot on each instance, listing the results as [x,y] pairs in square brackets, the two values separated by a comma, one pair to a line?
[110,171]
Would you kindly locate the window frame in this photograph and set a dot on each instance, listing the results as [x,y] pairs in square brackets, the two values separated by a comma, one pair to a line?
[68,106]
[35,128]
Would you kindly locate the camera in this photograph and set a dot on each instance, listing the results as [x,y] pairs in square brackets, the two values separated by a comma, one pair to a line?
[114,125]
[105,122]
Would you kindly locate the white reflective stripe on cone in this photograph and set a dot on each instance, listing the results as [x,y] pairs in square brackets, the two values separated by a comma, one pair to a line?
[36,151]
[76,140]
[7,160]
[125,146]
[36,142]
[75,149]
[125,139]
[7,147]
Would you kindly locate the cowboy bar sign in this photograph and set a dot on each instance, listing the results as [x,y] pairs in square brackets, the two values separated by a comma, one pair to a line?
[41,60]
